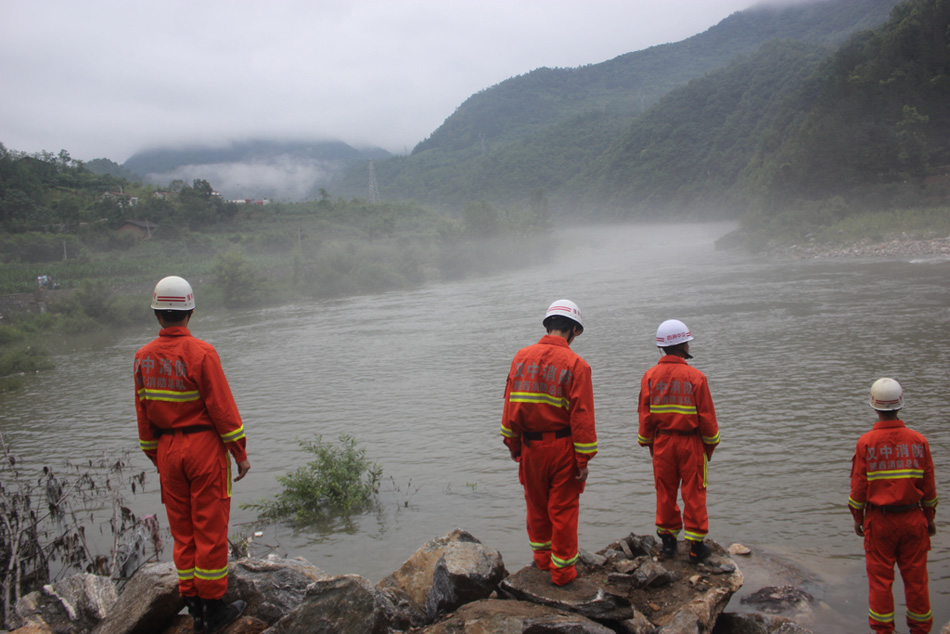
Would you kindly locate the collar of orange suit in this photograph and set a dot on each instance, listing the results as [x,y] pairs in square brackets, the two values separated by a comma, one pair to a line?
[174,331]
[888,424]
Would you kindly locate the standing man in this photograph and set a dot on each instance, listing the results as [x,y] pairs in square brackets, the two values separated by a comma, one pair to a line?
[678,424]
[548,426]
[893,502]
[188,423]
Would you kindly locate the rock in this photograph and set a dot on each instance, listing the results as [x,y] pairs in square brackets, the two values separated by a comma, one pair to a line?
[739,549]
[147,604]
[76,604]
[946,629]
[639,624]
[587,558]
[653,575]
[348,604]
[31,629]
[271,587]
[791,628]
[495,616]
[580,596]
[684,622]
[781,599]
[447,573]
[731,623]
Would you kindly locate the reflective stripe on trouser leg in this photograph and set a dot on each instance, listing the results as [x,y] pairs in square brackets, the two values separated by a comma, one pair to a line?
[552,494]
[912,564]
[195,475]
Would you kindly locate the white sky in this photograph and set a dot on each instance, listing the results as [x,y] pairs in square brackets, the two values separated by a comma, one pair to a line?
[106,78]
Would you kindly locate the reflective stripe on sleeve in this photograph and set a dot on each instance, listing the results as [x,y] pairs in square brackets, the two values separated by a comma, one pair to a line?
[643,440]
[237,434]
[858,506]
[711,440]
[585,447]
[507,433]
[148,445]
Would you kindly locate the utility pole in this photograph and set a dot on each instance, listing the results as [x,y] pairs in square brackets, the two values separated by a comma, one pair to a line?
[373,188]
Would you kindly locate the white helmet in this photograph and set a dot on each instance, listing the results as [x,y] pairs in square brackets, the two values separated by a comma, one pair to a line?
[672,332]
[173,293]
[565,308]
[887,395]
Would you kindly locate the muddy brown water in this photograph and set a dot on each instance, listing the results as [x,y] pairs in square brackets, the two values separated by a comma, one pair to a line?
[790,348]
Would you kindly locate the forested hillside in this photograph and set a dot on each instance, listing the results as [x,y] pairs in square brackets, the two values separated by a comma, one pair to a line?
[538,130]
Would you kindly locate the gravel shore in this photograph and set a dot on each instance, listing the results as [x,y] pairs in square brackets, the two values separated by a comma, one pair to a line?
[896,247]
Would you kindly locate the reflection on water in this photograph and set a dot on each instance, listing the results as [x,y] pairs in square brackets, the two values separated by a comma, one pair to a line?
[790,349]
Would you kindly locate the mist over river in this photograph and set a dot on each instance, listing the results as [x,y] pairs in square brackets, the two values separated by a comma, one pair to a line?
[790,348]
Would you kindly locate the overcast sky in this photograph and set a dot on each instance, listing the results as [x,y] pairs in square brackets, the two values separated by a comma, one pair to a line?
[107,78]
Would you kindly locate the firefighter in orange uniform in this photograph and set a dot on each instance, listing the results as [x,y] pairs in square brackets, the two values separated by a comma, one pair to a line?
[188,425]
[678,424]
[548,427]
[893,502]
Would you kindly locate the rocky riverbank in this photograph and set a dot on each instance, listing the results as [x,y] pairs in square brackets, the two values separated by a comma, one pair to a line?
[901,246]
[453,584]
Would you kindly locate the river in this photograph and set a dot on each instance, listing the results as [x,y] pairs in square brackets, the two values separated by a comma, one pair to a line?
[790,348]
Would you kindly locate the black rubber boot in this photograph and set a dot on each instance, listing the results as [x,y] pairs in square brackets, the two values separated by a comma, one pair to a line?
[668,551]
[698,551]
[219,614]
[194,609]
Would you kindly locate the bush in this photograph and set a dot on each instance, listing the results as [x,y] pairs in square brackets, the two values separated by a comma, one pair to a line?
[341,481]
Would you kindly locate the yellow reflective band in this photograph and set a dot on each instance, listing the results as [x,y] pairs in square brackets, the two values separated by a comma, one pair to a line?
[186,574]
[237,434]
[896,474]
[913,616]
[667,531]
[585,447]
[540,546]
[148,445]
[695,537]
[538,397]
[711,440]
[672,409]
[705,471]
[211,575]
[645,440]
[229,477]
[563,563]
[883,618]
[855,504]
[507,433]
[170,396]
[932,502]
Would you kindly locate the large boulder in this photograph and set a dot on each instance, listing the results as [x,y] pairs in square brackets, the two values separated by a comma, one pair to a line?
[348,604]
[271,587]
[147,604]
[446,573]
[732,623]
[75,605]
[494,616]
[580,596]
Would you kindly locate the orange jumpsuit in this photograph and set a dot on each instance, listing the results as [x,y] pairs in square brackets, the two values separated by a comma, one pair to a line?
[548,424]
[894,496]
[188,422]
[678,424]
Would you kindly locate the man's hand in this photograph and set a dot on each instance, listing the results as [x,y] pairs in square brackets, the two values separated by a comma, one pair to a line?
[859,528]
[243,467]
[931,528]
[581,474]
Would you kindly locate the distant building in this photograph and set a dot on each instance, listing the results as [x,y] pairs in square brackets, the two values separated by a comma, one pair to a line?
[165,195]
[139,228]
[121,198]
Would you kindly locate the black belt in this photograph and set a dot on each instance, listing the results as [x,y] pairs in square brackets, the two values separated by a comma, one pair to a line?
[564,432]
[889,508]
[676,432]
[193,429]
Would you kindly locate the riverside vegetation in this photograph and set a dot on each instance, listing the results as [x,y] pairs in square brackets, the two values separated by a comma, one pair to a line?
[59,219]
